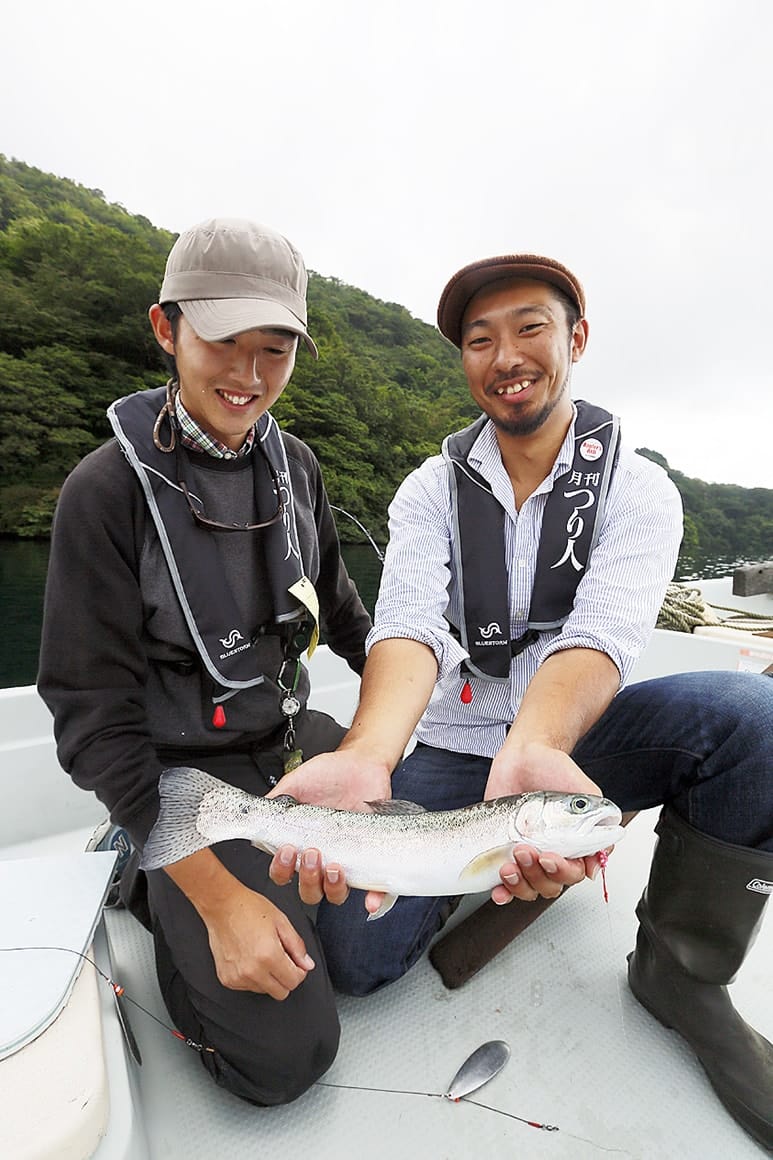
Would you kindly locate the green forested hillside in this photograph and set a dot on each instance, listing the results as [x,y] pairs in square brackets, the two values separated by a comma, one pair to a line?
[76,278]
[723,519]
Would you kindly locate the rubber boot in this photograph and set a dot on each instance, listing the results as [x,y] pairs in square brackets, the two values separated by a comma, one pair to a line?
[699,915]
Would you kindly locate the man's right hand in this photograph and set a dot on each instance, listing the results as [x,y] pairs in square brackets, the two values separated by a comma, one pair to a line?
[255,946]
[342,780]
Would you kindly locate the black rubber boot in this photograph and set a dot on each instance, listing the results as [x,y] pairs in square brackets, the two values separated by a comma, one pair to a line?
[699,915]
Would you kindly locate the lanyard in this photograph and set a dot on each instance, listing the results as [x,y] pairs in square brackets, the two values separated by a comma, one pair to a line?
[295,641]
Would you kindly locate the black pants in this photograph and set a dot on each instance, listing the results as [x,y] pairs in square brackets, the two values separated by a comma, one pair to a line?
[265,1051]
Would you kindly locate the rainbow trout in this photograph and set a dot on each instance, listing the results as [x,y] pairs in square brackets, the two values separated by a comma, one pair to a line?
[398,848]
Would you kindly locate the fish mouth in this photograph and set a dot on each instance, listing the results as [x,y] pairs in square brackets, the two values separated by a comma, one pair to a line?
[601,831]
[610,819]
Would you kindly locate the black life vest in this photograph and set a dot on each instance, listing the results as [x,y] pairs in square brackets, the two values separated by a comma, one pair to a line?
[570,527]
[222,639]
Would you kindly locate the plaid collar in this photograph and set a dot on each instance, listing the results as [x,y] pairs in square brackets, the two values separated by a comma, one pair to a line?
[195,438]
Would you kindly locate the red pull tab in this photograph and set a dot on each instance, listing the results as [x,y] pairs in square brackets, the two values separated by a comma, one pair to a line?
[466,694]
[603,858]
[218,717]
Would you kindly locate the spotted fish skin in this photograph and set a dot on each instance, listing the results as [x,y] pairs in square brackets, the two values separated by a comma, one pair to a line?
[397,848]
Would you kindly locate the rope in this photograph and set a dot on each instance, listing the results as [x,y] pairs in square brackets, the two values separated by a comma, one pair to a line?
[684,609]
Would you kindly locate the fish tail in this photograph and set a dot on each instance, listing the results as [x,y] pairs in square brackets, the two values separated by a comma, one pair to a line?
[175,834]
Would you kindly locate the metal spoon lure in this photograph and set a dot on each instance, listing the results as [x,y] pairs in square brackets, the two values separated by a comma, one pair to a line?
[484,1063]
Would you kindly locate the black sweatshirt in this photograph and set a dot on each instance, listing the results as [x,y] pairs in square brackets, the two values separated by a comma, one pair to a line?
[118,668]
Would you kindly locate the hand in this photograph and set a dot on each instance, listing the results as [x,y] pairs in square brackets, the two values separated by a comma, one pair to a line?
[536,766]
[315,879]
[255,946]
[341,780]
[534,873]
[537,873]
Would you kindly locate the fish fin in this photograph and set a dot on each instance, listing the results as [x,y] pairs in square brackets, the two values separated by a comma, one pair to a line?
[395,806]
[175,834]
[266,847]
[489,860]
[285,799]
[387,903]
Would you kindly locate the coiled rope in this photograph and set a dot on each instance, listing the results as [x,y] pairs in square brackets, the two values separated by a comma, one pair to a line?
[684,609]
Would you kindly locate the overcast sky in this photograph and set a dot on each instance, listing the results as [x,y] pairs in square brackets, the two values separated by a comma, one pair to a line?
[394,142]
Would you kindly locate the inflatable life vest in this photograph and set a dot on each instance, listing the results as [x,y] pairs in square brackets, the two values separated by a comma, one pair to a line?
[570,527]
[222,639]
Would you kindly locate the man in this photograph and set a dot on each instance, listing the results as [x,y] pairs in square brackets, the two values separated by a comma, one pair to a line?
[524,573]
[187,558]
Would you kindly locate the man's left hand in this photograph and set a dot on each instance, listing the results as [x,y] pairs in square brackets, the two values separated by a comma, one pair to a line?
[342,781]
[534,873]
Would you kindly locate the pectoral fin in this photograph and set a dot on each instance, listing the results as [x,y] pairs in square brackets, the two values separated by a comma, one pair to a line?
[386,905]
[486,863]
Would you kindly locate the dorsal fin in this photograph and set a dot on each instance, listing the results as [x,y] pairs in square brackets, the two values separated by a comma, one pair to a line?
[395,806]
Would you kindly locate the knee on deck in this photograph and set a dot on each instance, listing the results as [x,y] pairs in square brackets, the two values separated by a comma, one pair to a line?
[271,1075]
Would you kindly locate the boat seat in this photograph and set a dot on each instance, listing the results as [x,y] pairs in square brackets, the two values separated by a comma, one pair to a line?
[51,1043]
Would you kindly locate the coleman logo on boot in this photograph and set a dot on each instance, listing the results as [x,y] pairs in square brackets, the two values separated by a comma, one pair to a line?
[760,886]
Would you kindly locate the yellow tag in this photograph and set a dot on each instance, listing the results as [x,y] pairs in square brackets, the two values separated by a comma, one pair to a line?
[304,591]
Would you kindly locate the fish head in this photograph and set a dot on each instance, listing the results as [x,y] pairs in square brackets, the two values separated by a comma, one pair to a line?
[572,825]
[227,812]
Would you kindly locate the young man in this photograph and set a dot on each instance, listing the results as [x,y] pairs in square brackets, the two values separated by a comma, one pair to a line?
[187,558]
[524,574]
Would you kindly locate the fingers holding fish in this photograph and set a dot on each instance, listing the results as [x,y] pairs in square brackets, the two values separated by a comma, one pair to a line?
[532,874]
[315,879]
[374,900]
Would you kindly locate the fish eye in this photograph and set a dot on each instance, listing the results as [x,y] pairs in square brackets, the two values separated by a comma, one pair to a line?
[579,805]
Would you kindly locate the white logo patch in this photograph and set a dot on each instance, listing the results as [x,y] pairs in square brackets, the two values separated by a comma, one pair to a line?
[591,449]
[230,640]
[488,632]
[760,886]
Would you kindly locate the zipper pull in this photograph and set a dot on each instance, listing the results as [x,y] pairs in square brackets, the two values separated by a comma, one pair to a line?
[466,694]
[218,717]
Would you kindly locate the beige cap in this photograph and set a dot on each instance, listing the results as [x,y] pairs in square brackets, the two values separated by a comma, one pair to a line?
[466,283]
[229,275]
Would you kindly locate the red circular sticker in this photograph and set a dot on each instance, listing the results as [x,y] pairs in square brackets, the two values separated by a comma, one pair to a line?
[591,449]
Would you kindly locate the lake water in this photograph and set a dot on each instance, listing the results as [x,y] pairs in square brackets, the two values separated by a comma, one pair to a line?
[23,566]
[22,579]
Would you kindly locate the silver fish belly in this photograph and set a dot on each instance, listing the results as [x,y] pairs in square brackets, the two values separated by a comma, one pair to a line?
[398,848]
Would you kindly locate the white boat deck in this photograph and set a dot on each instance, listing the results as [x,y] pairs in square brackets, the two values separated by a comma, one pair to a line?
[586,1058]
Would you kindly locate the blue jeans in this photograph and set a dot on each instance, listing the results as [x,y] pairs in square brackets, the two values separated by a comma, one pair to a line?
[702,742]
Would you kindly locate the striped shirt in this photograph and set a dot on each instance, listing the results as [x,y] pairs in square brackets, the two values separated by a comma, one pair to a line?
[195,438]
[615,608]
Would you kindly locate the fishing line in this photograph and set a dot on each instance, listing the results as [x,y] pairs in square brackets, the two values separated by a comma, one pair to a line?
[603,858]
[548,1128]
[362,528]
[120,993]
[353,1087]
